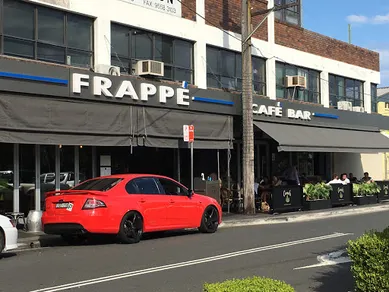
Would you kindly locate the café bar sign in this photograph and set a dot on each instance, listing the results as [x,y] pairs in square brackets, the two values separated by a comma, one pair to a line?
[278,111]
[103,86]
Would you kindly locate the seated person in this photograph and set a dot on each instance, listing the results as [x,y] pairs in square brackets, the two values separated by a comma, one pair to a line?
[335,180]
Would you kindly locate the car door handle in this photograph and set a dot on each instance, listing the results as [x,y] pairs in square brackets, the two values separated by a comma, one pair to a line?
[142,200]
[172,201]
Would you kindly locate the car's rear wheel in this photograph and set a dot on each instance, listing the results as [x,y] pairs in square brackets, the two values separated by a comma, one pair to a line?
[210,220]
[131,228]
[2,241]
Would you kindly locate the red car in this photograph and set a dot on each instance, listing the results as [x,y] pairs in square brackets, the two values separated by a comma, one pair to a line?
[128,205]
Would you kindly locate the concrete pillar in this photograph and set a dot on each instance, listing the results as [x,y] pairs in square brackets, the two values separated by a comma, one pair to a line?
[102,41]
[324,89]
[200,49]
[367,96]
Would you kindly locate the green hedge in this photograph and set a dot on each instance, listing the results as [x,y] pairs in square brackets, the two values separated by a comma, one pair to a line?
[370,256]
[253,284]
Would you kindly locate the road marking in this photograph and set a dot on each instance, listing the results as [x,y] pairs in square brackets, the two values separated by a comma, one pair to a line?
[331,259]
[189,263]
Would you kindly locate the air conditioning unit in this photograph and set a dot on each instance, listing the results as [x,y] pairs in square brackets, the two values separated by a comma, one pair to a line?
[296,81]
[359,109]
[107,69]
[149,68]
[345,105]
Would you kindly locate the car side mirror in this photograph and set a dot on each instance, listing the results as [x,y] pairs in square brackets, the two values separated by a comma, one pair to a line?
[190,193]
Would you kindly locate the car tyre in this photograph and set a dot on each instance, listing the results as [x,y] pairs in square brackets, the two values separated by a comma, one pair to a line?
[209,220]
[2,241]
[131,228]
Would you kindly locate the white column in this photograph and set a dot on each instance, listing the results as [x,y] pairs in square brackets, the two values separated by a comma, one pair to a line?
[271,78]
[324,89]
[37,178]
[57,167]
[76,165]
[367,96]
[200,49]
[102,41]
[270,23]
[16,200]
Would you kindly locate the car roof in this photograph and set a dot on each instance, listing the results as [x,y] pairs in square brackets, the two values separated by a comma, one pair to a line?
[133,175]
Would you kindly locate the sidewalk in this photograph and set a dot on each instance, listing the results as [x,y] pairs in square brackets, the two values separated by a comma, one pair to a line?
[29,240]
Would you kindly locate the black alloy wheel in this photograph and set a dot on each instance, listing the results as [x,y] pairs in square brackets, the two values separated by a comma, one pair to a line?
[210,220]
[131,228]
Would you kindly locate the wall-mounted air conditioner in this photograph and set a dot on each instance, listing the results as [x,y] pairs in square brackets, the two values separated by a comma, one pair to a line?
[296,81]
[150,68]
[345,105]
[359,109]
[107,69]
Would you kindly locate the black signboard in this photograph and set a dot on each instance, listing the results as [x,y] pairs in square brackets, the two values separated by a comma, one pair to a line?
[384,193]
[287,198]
[341,194]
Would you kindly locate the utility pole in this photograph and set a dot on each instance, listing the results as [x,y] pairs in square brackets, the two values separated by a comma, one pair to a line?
[247,111]
[247,98]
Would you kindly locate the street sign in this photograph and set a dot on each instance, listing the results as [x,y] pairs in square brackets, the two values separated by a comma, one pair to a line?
[188,133]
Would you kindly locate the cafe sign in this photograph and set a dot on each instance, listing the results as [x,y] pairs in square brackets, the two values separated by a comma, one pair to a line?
[278,111]
[103,86]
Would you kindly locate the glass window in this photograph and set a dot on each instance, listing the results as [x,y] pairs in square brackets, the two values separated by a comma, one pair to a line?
[37,32]
[18,19]
[147,186]
[345,89]
[101,184]
[79,32]
[136,44]
[172,188]
[132,188]
[224,70]
[309,94]
[373,93]
[289,15]
[51,26]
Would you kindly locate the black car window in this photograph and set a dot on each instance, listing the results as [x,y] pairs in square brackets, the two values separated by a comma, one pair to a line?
[132,188]
[172,188]
[146,186]
[100,184]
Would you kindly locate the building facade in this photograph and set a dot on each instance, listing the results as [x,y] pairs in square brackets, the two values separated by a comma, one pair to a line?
[66,118]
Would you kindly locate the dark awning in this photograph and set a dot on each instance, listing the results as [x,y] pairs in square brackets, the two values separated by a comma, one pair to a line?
[54,121]
[158,127]
[296,138]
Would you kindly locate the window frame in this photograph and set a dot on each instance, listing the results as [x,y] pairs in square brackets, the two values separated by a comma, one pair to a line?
[374,97]
[310,92]
[237,76]
[134,181]
[342,96]
[281,15]
[35,41]
[131,59]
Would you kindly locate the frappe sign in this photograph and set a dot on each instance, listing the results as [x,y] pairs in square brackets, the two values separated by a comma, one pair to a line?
[278,111]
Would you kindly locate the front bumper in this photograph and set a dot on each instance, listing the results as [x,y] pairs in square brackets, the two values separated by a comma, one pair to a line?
[11,238]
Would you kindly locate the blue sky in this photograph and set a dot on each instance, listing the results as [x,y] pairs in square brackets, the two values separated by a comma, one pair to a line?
[369,21]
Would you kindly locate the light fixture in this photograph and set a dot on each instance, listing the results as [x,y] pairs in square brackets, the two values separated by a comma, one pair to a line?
[59,146]
[80,146]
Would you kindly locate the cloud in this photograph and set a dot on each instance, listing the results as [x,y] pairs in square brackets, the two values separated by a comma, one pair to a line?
[359,19]
[381,19]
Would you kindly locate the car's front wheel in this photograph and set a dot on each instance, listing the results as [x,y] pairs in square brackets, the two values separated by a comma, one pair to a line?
[210,220]
[131,228]
[2,241]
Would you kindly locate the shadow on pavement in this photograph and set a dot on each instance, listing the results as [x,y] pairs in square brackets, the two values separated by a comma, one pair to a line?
[6,255]
[335,279]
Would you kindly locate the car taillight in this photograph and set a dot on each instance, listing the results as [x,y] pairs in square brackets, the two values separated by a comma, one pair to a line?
[94,204]
[13,223]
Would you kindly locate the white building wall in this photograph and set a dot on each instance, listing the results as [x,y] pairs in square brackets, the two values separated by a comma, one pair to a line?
[360,163]
[202,34]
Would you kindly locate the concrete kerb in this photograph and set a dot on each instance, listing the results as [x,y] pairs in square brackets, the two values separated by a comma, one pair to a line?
[303,216]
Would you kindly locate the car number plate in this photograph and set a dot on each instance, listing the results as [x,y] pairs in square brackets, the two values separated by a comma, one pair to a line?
[67,206]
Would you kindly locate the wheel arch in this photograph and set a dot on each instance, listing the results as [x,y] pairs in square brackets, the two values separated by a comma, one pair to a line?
[205,208]
[4,239]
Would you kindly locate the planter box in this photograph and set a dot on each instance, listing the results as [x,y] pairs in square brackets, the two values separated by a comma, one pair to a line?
[365,200]
[317,205]
[286,199]
[384,193]
[341,194]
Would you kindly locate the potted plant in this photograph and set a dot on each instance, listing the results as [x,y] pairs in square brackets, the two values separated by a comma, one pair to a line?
[317,196]
[366,193]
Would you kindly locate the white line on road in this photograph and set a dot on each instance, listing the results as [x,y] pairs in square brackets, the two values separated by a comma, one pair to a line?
[189,263]
[331,259]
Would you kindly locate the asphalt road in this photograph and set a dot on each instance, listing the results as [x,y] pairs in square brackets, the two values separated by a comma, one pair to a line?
[183,261]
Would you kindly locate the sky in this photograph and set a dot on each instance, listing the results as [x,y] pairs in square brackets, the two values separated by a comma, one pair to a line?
[369,24]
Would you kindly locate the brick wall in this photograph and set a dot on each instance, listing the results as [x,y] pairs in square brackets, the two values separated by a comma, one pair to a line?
[188,9]
[314,43]
[226,14]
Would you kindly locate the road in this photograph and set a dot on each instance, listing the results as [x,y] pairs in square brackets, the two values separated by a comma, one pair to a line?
[183,261]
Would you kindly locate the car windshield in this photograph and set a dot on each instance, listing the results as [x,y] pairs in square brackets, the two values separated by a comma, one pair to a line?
[100,184]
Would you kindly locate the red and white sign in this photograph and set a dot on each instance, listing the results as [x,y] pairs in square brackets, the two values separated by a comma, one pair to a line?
[188,133]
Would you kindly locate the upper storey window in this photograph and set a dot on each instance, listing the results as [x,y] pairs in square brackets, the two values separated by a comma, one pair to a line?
[290,15]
